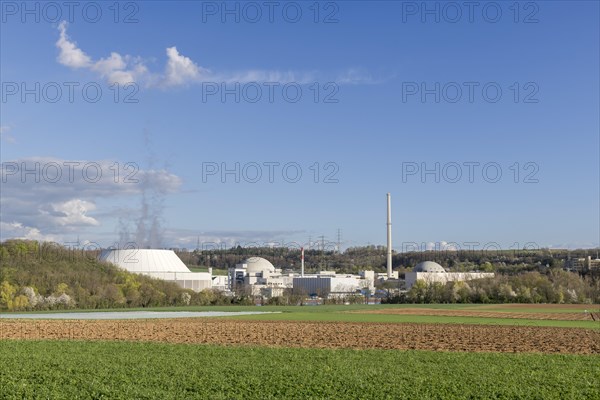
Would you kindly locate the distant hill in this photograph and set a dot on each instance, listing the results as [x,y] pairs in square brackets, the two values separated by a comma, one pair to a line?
[46,276]
[42,276]
[374,257]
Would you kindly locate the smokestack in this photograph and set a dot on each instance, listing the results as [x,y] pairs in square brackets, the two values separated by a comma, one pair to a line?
[302,263]
[389,236]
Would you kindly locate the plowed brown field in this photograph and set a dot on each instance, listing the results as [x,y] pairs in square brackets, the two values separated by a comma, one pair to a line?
[450,337]
[580,316]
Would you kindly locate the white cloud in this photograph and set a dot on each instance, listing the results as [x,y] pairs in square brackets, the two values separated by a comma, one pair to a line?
[448,246]
[213,240]
[181,70]
[355,76]
[438,246]
[4,135]
[115,68]
[73,213]
[70,55]
[58,178]
[266,76]
[46,202]
[113,63]
[16,230]
[120,69]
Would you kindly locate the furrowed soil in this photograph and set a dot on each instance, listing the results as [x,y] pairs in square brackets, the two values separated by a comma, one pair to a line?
[405,336]
[580,316]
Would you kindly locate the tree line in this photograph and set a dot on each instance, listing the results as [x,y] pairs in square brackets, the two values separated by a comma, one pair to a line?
[554,286]
[371,257]
[45,276]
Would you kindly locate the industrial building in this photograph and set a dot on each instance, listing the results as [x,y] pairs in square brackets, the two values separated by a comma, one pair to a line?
[260,277]
[329,285]
[582,264]
[429,272]
[161,264]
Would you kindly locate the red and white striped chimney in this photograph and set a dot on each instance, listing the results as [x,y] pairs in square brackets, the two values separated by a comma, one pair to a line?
[302,264]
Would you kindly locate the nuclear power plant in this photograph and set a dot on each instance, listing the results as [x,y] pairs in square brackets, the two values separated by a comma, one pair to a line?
[429,272]
[162,264]
[259,276]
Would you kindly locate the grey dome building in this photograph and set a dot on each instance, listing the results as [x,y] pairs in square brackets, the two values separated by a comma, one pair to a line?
[429,266]
[429,272]
[258,265]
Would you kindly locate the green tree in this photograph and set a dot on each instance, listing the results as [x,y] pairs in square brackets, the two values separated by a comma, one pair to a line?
[417,292]
[61,288]
[506,293]
[150,296]
[21,302]
[7,294]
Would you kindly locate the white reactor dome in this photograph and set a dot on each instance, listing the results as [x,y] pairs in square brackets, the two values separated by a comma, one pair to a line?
[258,264]
[144,260]
[429,266]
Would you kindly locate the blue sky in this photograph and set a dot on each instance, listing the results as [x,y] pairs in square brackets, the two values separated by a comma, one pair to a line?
[369,65]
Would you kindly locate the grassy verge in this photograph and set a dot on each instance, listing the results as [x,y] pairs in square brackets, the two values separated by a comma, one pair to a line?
[68,370]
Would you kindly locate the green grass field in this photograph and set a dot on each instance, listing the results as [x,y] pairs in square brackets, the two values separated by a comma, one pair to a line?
[215,271]
[126,370]
[122,370]
[342,313]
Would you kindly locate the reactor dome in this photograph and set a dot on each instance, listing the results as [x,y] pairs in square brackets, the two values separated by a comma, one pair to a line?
[258,264]
[144,260]
[429,266]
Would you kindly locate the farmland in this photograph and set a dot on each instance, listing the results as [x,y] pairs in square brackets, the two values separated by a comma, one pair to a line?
[566,315]
[358,351]
[447,337]
[67,370]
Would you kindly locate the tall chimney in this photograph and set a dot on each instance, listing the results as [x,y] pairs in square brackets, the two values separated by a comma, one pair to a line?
[302,263]
[389,236]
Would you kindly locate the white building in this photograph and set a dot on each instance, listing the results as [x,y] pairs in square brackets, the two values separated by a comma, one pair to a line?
[260,276]
[220,282]
[379,276]
[329,285]
[429,272]
[161,264]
